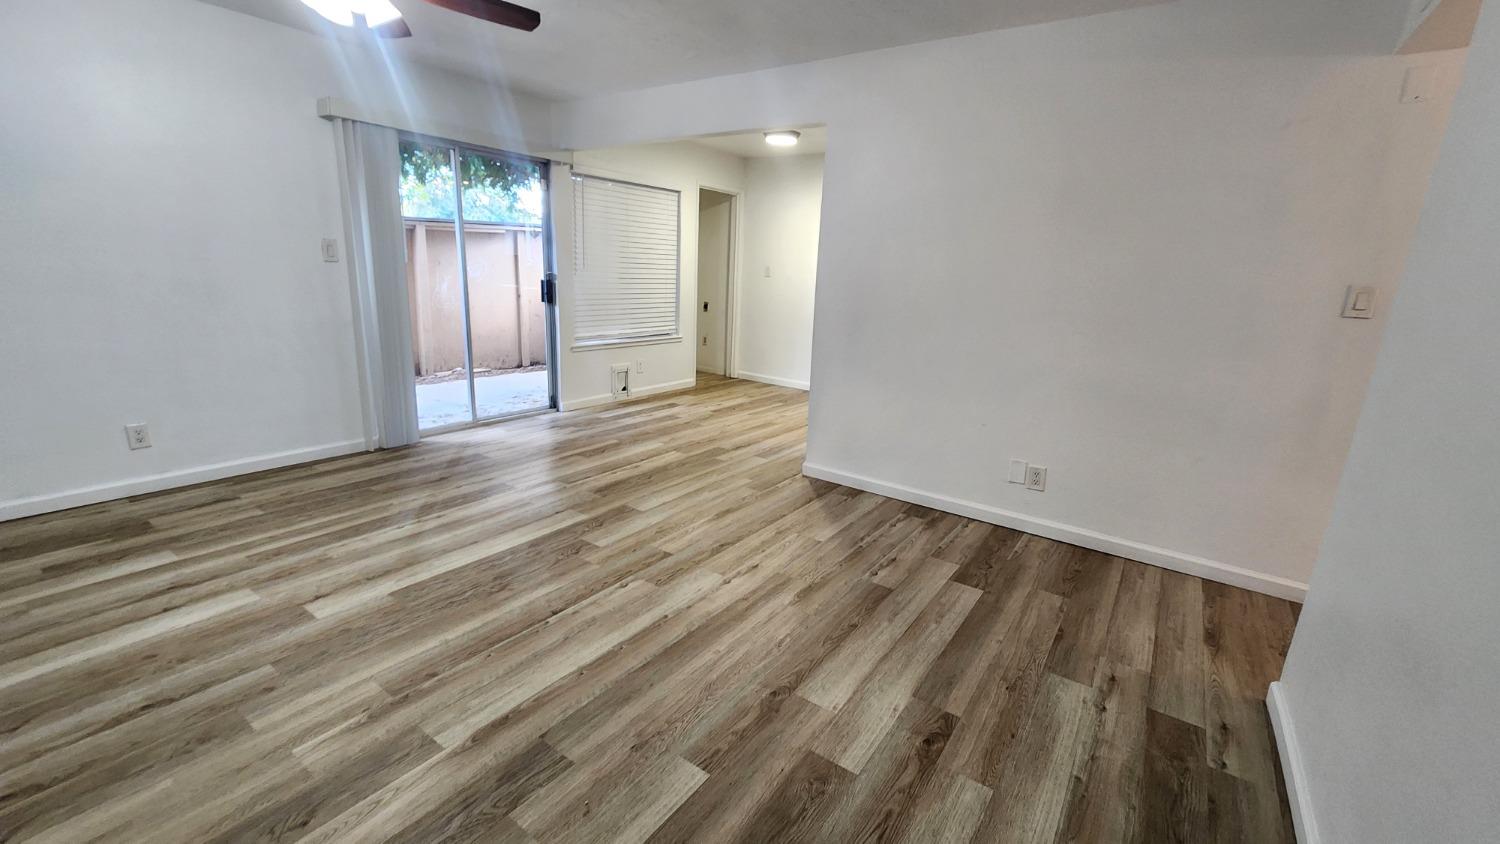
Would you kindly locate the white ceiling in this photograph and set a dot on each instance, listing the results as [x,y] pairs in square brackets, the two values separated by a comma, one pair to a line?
[588,47]
[814,141]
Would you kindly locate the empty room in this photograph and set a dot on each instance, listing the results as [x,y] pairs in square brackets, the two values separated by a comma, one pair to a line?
[685,420]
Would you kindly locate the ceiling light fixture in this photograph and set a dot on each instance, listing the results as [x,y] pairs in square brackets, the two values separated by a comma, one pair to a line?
[343,12]
[787,138]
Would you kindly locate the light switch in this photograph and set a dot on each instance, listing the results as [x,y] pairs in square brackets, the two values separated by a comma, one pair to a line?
[1420,84]
[1017,472]
[330,250]
[1359,303]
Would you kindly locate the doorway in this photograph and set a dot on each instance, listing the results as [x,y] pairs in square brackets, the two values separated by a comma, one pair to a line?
[715,256]
[477,258]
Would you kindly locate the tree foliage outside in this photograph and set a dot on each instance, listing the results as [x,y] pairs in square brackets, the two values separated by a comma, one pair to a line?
[496,190]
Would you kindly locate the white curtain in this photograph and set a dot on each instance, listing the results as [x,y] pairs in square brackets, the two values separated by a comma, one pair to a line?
[369,176]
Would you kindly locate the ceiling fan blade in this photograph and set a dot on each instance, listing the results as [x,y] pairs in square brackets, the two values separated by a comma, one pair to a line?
[392,29]
[494,11]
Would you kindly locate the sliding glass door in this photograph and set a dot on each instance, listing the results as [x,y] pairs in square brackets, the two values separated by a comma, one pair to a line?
[476,256]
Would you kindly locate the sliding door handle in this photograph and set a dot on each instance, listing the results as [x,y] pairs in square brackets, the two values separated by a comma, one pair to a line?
[549,288]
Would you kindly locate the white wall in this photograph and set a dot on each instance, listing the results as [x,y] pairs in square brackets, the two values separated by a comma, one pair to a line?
[166,182]
[1134,232]
[783,201]
[1392,680]
[683,167]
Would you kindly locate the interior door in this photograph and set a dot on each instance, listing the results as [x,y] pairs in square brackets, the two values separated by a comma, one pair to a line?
[715,218]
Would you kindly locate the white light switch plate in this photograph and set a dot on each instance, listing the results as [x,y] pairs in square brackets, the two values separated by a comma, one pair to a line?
[1420,84]
[1359,303]
[330,250]
[1017,472]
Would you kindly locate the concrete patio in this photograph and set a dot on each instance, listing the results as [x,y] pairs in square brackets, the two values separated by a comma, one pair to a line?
[496,394]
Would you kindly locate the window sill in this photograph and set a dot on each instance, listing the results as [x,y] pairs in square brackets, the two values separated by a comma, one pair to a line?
[590,345]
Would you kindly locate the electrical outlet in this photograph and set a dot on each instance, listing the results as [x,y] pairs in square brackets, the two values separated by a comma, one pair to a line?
[1036,478]
[138,436]
[1017,472]
[705,342]
[640,367]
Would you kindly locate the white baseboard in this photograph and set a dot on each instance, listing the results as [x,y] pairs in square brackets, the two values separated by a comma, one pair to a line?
[1186,563]
[637,393]
[1291,766]
[22,507]
[771,379]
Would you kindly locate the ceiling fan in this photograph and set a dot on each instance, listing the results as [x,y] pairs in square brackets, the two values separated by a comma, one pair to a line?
[384,19]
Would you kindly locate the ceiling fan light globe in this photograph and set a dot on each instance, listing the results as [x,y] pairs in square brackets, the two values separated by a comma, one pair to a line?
[342,12]
[334,11]
[377,12]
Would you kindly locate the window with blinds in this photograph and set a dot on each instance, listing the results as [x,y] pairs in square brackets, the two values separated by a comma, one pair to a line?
[626,245]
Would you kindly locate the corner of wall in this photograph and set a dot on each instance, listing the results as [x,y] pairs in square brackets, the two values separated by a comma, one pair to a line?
[1291,765]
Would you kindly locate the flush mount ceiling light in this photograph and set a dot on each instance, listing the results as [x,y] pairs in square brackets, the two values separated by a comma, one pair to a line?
[787,138]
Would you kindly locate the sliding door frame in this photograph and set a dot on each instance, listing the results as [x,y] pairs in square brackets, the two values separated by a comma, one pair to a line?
[549,308]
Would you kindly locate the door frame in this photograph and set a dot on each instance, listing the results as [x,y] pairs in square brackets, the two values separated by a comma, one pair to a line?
[731,281]
[549,308]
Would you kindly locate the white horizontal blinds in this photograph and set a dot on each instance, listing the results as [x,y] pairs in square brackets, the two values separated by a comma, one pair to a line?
[626,243]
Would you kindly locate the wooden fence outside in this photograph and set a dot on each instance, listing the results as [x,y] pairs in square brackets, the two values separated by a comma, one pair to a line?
[505,273]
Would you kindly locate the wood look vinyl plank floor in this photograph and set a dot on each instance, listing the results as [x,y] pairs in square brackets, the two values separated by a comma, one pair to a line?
[630,623]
